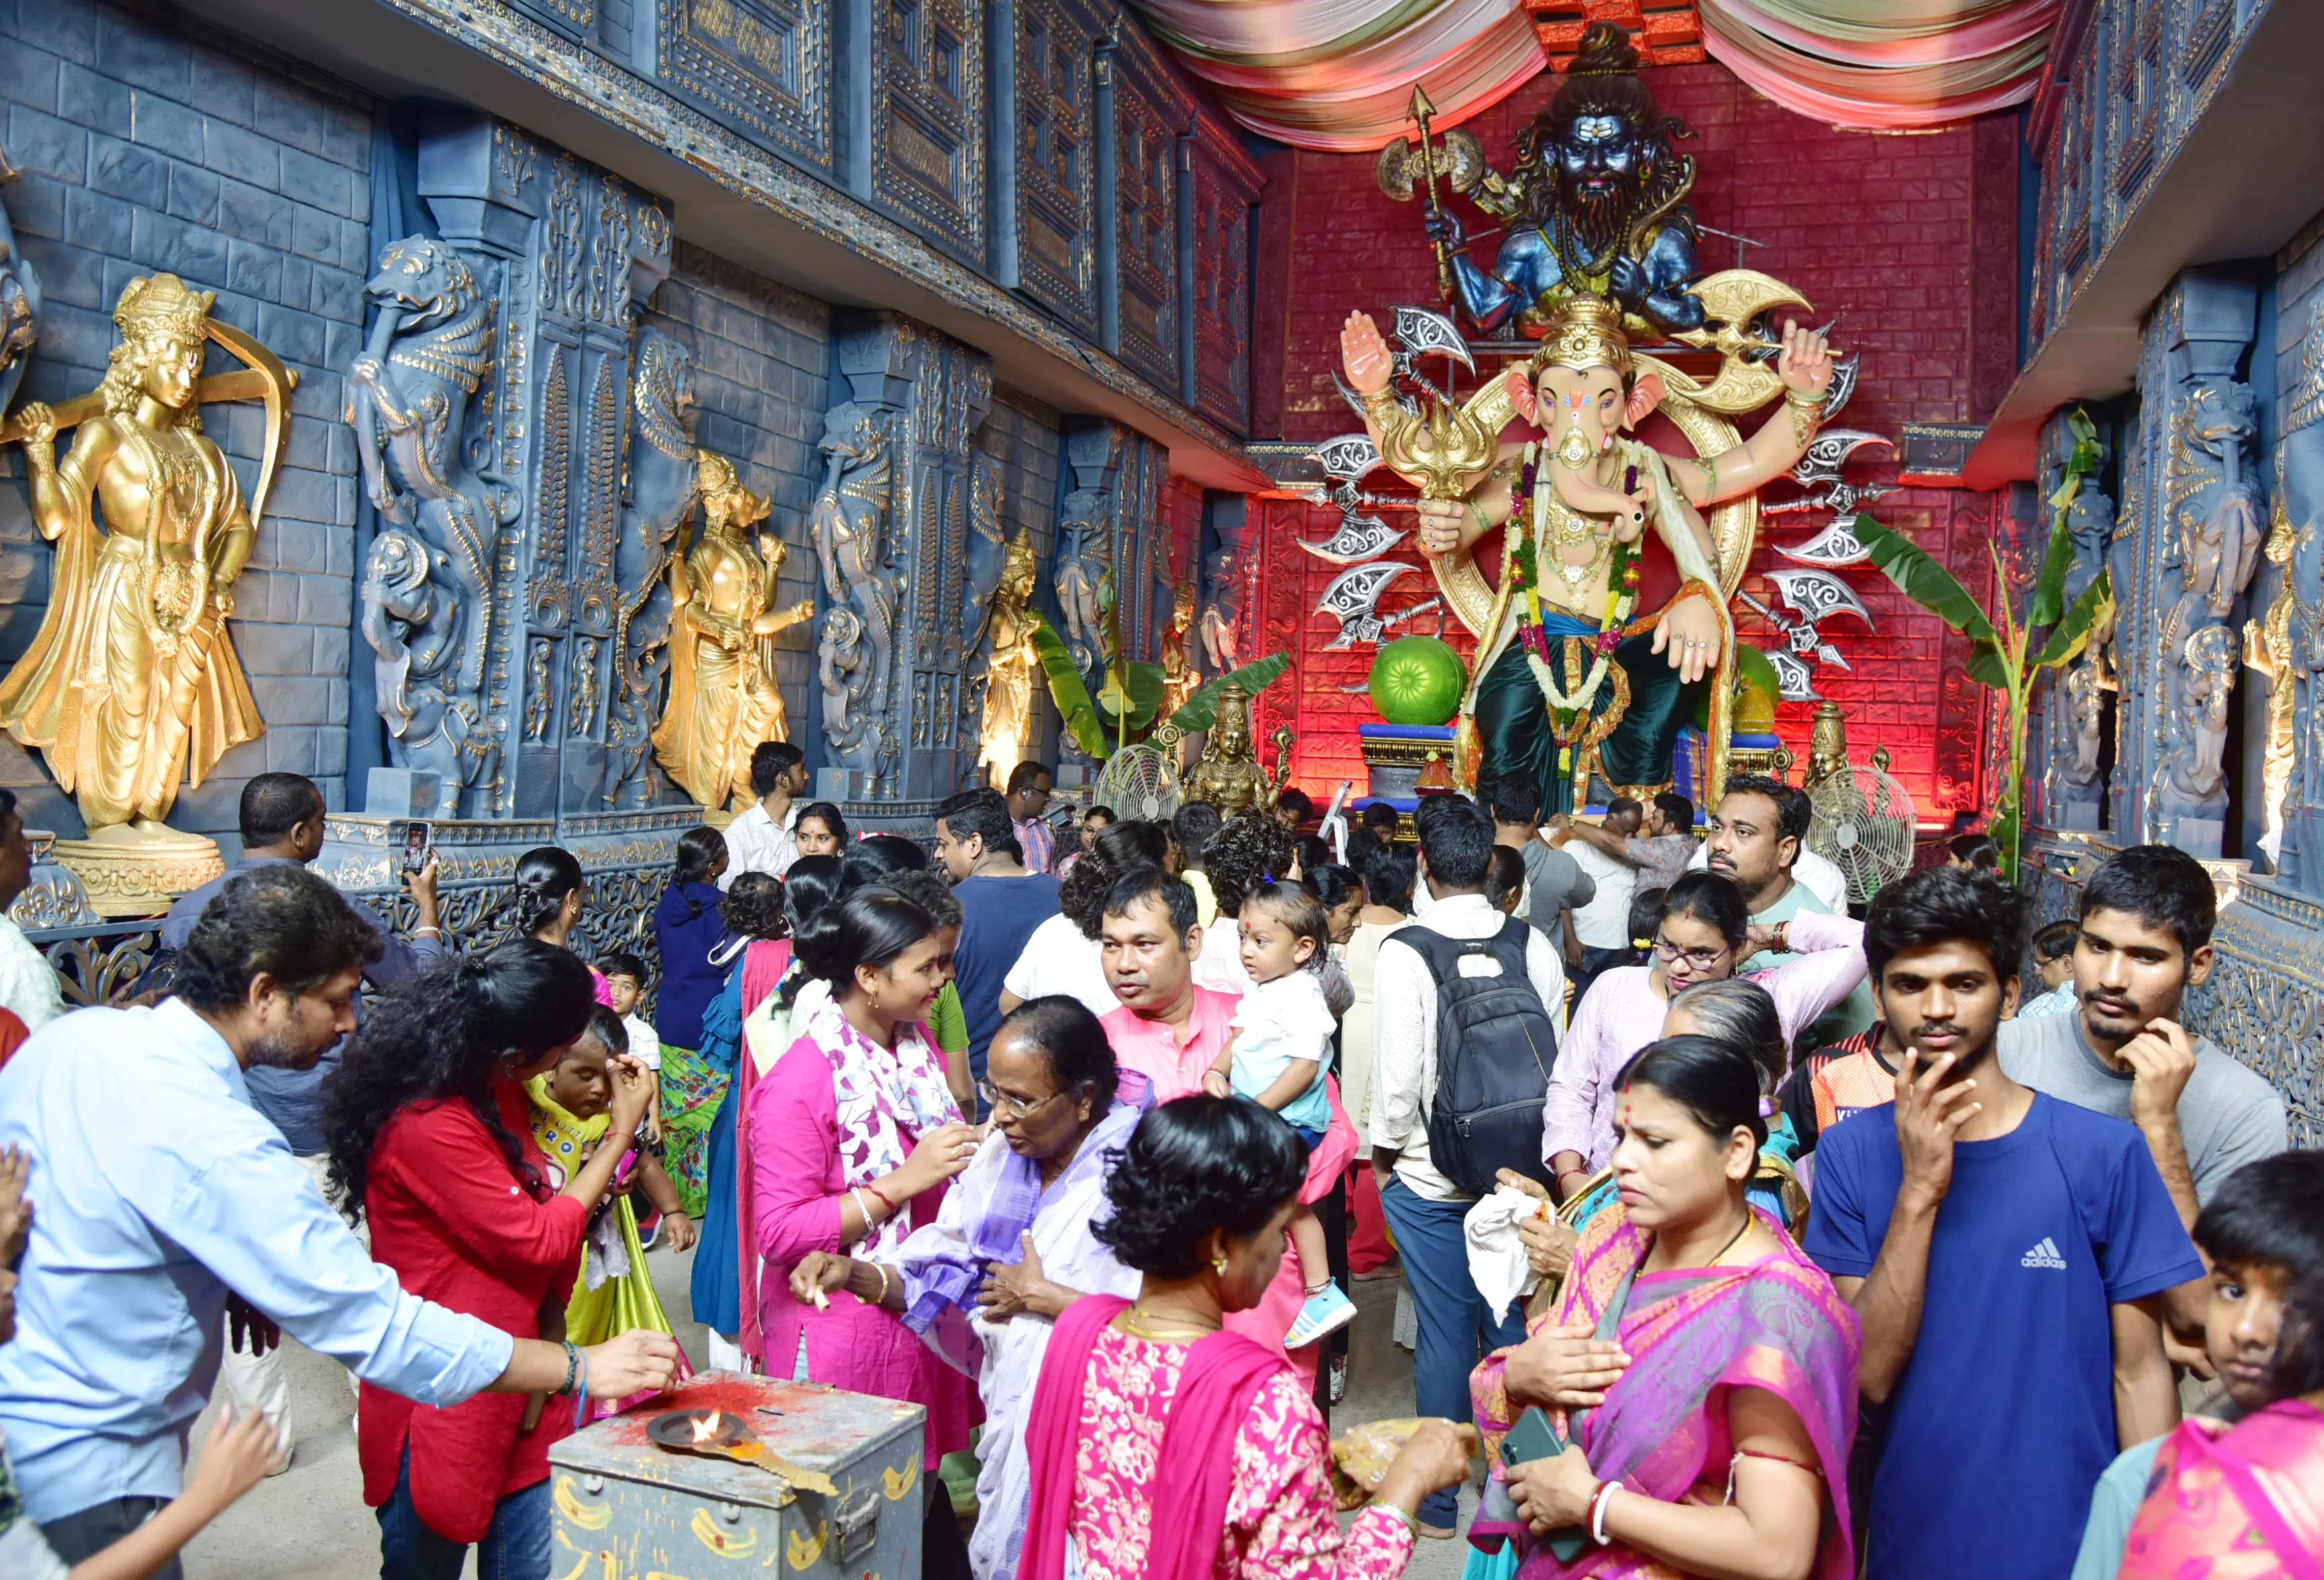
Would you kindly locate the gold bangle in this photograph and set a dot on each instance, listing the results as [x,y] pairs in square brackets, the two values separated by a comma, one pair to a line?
[881,1269]
[1374,403]
[1411,1523]
[1808,402]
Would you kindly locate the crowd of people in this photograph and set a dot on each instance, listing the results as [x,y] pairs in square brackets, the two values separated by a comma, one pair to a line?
[1740,1237]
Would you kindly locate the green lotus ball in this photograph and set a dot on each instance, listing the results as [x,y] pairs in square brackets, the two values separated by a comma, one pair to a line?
[1418,680]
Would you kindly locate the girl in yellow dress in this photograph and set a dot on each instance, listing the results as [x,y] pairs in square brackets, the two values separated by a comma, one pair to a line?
[614,1293]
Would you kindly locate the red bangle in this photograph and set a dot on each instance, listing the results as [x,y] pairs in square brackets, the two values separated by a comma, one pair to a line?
[1589,1511]
[882,1195]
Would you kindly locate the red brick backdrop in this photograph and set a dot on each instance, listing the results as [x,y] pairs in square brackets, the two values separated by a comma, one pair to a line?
[1877,231]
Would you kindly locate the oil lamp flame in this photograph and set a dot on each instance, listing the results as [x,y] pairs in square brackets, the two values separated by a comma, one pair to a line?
[704,1428]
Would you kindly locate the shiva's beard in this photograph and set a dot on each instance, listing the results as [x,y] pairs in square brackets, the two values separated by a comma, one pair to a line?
[1597,217]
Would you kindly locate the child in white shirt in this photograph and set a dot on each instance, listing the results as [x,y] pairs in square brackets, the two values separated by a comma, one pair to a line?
[1277,1058]
[625,982]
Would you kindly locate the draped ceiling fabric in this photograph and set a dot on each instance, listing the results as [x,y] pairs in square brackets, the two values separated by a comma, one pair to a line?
[1883,65]
[1337,75]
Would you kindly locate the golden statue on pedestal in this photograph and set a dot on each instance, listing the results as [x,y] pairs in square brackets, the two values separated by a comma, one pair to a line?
[1009,661]
[723,699]
[1228,776]
[132,683]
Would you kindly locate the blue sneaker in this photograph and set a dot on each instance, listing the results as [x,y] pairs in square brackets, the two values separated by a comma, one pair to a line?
[1327,1311]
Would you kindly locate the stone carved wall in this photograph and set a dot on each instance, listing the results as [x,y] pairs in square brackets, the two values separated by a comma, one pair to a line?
[534,610]
[1143,111]
[2188,540]
[890,526]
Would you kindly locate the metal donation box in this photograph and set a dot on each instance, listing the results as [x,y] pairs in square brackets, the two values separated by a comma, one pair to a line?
[730,1475]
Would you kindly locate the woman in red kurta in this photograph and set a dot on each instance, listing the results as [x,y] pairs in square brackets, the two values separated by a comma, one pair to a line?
[431,1131]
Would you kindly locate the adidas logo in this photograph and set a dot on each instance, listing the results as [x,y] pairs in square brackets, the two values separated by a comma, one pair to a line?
[2044,1254]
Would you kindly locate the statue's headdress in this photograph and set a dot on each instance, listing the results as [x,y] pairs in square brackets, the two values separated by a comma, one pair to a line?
[1585,332]
[160,304]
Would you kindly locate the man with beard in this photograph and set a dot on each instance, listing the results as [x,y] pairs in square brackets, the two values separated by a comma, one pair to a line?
[2145,938]
[2007,1252]
[163,1196]
[1595,163]
[1757,837]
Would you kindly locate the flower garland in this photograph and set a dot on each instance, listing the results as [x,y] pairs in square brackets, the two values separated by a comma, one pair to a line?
[1569,711]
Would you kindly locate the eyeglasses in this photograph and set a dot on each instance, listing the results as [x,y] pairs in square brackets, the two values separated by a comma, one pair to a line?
[1702,960]
[1001,1102]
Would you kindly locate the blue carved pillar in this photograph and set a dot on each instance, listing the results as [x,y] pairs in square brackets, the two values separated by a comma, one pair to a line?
[569,251]
[891,525]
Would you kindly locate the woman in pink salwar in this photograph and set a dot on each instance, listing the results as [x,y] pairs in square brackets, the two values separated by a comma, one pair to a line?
[1199,1202]
[854,1135]
[1701,1369]
[1706,929]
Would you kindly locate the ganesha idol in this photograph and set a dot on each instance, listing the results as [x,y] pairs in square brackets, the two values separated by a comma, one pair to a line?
[1610,620]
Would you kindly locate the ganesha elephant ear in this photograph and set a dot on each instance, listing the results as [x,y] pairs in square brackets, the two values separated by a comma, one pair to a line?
[1521,394]
[1645,395]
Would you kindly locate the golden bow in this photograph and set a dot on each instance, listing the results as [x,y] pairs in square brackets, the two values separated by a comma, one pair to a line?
[261,377]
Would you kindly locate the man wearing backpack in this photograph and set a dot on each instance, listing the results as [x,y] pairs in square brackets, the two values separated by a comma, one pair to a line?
[1468,1009]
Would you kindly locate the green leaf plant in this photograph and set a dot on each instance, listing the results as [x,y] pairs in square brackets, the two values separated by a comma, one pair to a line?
[2004,654]
[1127,705]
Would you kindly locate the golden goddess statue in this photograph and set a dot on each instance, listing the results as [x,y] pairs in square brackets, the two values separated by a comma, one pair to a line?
[1008,671]
[1228,776]
[723,699]
[132,683]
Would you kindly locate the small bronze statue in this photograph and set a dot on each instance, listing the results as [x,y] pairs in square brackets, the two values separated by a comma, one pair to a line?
[1230,777]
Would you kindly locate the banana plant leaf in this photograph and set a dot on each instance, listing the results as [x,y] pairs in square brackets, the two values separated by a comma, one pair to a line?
[1143,683]
[1921,579]
[1199,711]
[2050,586]
[2073,629]
[1080,714]
[1988,666]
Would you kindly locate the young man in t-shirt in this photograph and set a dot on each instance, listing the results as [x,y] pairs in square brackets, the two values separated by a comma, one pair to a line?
[1839,1082]
[1757,832]
[1000,904]
[1555,882]
[2006,1254]
[2146,919]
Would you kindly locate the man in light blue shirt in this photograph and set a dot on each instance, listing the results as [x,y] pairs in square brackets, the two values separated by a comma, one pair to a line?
[161,1194]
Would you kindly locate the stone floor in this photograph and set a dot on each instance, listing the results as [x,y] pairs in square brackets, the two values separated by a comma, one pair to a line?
[310,1523]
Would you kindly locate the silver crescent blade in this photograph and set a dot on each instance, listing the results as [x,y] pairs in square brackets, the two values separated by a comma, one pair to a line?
[1794,681]
[1347,457]
[1358,539]
[1357,591]
[1815,595]
[1836,546]
[1425,332]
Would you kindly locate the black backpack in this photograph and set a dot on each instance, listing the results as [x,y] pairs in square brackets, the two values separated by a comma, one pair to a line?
[1495,1045]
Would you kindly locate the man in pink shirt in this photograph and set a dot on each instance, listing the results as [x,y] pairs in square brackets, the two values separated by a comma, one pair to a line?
[1168,1028]
[1171,1030]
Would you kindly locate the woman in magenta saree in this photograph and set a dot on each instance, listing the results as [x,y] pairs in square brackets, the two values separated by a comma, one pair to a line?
[1702,1367]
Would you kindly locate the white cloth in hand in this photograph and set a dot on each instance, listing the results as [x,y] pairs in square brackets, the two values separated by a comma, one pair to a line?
[1497,1256]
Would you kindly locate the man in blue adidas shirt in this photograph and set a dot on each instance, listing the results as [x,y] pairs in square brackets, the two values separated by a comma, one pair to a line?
[2007,1252]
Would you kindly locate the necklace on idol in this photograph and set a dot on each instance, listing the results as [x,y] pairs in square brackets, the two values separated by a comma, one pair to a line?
[1570,710]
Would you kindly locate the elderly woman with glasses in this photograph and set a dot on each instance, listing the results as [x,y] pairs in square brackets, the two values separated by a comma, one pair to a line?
[1704,932]
[1014,1242]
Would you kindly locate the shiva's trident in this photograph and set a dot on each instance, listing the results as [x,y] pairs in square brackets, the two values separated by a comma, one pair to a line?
[1421,110]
